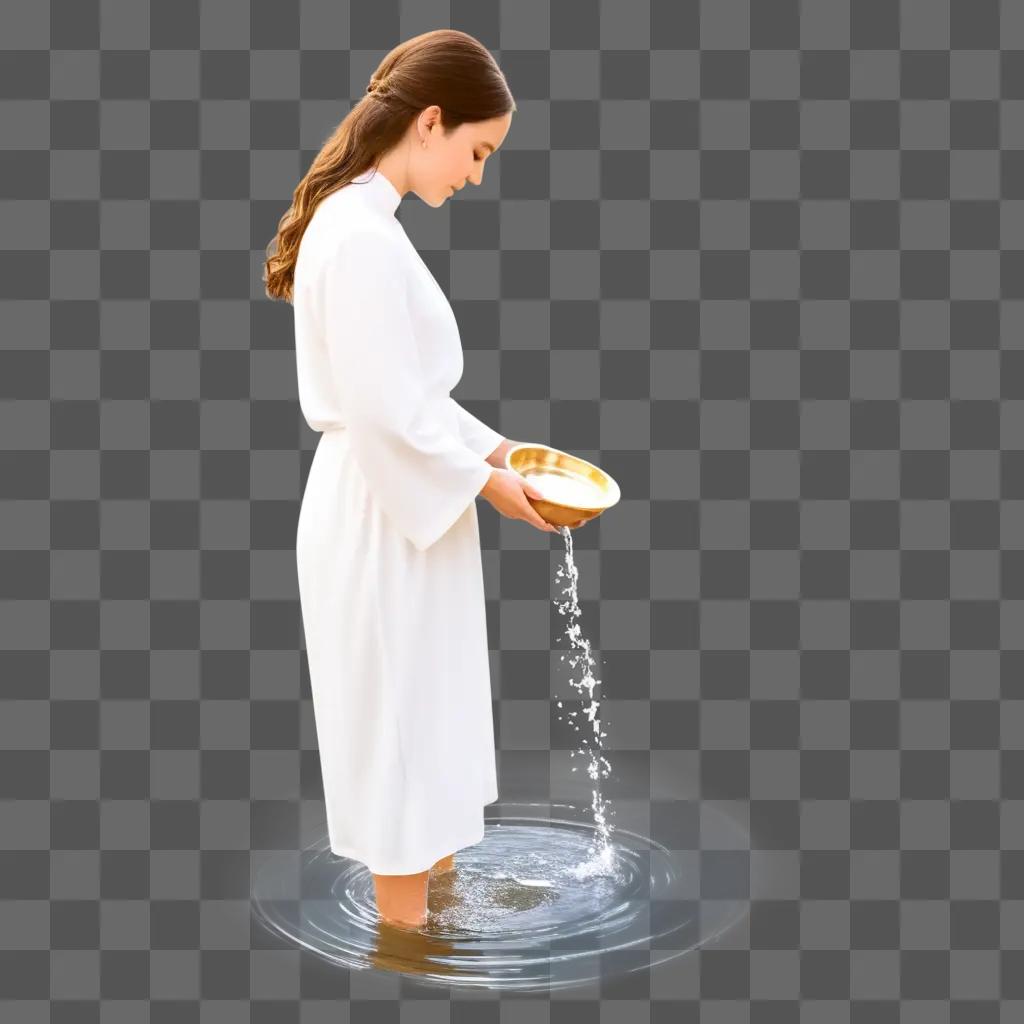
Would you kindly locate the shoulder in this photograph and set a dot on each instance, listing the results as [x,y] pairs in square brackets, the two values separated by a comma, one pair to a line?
[341,221]
[364,246]
[364,259]
[362,234]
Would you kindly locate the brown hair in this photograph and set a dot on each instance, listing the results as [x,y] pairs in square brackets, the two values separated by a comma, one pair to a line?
[446,67]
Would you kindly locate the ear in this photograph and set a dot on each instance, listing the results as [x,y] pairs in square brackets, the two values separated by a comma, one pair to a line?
[430,117]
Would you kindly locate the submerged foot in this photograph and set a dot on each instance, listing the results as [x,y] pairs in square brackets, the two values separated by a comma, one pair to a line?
[397,922]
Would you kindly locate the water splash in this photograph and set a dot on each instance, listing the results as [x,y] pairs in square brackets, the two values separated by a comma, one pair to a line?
[598,767]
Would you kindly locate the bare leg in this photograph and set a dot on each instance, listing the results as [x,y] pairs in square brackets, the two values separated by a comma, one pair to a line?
[402,899]
[443,865]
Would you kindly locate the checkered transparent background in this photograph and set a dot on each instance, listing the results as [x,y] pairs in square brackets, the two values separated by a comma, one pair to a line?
[763,261]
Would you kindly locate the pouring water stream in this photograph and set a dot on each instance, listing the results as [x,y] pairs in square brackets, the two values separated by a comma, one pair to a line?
[598,766]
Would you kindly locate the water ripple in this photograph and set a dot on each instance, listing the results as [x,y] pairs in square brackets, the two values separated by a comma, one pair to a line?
[539,904]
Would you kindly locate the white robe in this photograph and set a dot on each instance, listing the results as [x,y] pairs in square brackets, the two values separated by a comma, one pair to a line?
[388,545]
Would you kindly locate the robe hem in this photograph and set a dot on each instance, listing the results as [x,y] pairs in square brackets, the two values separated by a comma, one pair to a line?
[384,868]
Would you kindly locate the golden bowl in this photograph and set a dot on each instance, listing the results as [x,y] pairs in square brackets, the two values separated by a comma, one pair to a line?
[583,490]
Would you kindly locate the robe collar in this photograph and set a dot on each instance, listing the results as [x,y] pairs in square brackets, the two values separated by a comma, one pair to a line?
[378,191]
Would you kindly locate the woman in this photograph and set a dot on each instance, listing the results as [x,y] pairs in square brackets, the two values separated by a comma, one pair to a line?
[388,545]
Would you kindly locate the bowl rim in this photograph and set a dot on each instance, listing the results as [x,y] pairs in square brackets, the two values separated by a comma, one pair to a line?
[614,491]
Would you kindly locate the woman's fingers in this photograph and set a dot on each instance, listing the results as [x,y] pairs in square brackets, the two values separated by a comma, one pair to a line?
[543,524]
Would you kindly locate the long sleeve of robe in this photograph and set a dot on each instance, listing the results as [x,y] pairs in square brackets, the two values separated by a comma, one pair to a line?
[421,471]
[476,434]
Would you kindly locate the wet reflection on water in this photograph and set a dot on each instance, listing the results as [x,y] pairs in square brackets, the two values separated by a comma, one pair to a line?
[538,904]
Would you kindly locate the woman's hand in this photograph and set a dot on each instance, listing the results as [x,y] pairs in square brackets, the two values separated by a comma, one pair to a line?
[507,492]
[497,460]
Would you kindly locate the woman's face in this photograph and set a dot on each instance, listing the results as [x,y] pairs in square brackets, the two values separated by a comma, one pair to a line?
[448,164]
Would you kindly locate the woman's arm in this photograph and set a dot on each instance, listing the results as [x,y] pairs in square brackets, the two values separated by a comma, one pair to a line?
[497,457]
[421,473]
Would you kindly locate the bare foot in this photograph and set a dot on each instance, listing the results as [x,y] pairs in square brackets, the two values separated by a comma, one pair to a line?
[409,926]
